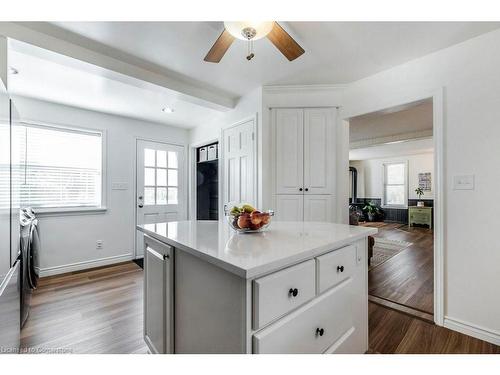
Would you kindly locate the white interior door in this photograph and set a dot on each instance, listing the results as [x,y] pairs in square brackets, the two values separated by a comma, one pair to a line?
[289,152]
[319,146]
[239,164]
[161,187]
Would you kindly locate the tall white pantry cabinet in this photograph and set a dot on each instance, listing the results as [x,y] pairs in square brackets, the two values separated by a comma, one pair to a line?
[304,163]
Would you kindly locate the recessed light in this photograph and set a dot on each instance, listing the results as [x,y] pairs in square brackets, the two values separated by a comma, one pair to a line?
[13,70]
[167,110]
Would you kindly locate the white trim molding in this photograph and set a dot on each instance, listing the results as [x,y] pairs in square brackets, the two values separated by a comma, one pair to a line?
[472,330]
[294,88]
[423,134]
[56,270]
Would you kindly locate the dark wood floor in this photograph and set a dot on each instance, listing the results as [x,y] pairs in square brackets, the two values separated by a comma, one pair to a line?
[391,331]
[100,311]
[96,311]
[408,277]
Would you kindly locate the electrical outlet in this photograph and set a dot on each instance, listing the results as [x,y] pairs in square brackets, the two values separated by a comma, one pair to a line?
[99,244]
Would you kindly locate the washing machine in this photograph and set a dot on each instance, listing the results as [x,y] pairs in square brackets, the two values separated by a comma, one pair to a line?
[30,266]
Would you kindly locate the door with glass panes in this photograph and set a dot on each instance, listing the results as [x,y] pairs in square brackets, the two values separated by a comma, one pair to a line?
[161,191]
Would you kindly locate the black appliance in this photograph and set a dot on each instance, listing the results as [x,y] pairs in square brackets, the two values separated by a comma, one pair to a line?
[30,266]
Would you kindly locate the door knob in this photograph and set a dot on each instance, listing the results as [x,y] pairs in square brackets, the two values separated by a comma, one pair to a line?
[340,268]
[307,189]
[300,189]
[320,331]
[293,292]
[140,205]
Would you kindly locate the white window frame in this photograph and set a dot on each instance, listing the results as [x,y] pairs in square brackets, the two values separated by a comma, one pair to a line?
[77,210]
[384,184]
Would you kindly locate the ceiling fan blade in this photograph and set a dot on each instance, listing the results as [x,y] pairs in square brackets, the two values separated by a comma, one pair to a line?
[220,47]
[285,43]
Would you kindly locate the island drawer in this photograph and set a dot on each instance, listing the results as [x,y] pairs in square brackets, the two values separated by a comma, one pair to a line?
[335,267]
[313,328]
[278,293]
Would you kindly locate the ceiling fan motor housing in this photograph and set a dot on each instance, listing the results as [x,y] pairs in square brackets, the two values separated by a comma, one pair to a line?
[249,32]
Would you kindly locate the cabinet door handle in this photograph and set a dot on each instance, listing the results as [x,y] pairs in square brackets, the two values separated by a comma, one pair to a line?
[293,292]
[340,268]
[300,189]
[320,331]
[307,189]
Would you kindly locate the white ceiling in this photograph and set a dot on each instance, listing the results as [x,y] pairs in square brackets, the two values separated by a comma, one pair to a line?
[410,147]
[336,52]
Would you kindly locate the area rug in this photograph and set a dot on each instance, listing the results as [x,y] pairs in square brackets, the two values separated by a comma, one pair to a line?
[384,249]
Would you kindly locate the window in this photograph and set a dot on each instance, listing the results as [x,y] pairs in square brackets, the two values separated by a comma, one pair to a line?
[55,167]
[395,184]
[161,175]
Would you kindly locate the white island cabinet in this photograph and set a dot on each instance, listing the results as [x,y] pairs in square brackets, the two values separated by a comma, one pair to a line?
[300,287]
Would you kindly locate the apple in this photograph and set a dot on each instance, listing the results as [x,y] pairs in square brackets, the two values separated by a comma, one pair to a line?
[244,221]
[255,217]
[265,218]
[255,226]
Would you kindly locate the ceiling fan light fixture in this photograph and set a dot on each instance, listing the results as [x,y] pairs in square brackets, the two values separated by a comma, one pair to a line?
[249,30]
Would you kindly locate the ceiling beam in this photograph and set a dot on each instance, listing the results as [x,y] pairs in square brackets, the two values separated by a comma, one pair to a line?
[54,39]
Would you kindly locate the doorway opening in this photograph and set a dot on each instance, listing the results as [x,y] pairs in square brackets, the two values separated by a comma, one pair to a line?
[393,187]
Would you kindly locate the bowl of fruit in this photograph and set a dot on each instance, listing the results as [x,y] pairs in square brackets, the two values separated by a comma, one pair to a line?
[246,219]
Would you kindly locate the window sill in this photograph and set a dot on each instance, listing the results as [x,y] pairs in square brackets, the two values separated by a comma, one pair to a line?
[396,207]
[69,211]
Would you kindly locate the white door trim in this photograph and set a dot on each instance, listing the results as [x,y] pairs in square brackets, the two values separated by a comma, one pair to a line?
[134,200]
[222,151]
[439,202]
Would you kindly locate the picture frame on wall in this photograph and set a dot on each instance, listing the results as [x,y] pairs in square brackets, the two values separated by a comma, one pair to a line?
[425,181]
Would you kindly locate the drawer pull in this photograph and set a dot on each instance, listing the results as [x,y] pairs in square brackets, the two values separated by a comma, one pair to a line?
[320,331]
[293,292]
[340,268]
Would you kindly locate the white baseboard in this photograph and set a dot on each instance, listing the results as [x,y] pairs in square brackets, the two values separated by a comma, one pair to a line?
[472,330]
[50,271]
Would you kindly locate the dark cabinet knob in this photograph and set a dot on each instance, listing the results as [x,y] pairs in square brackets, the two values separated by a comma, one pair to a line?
[293,292]
[320,331]
[300,189]
[340,268]
[307,189]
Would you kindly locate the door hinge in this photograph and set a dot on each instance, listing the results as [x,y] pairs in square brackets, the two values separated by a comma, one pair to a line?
[253,136]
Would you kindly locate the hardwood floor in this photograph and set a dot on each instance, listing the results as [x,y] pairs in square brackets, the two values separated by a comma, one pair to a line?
[96,311]
[100,311]
[391,331]
[408,277]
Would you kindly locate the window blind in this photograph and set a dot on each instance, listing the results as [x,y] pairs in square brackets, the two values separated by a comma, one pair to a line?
[55,168]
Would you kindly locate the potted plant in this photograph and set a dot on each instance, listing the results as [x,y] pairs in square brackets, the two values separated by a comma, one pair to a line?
[419,191]
[371,210]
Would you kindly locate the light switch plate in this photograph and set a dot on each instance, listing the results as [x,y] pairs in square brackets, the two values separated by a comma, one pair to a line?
[119,186]
[463,182]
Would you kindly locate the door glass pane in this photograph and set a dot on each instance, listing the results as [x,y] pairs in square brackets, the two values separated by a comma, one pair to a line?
[149,157]
[395,194]
[172,196]
[172,177]
[149,176]
[161,195]
[161,158]
[161,177]
[149,196]
[395,173]
[172,159]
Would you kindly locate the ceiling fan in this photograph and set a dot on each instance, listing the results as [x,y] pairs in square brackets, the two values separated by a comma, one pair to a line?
[251,31]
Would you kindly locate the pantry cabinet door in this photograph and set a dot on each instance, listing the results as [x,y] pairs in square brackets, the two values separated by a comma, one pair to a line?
[288,132]
[319,147]
[289,207]
[318,208]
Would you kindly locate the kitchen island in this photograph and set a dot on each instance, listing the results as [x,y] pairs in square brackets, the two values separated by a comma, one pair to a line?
[299,287]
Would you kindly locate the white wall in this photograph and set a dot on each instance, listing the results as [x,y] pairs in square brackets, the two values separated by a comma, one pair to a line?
[469,74]
[371,177]
[70,240]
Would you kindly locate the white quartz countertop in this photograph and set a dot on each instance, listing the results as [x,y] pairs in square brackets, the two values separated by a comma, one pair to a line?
[254,254]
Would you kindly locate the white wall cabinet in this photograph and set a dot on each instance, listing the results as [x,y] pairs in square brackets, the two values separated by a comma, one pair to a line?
[304,163]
